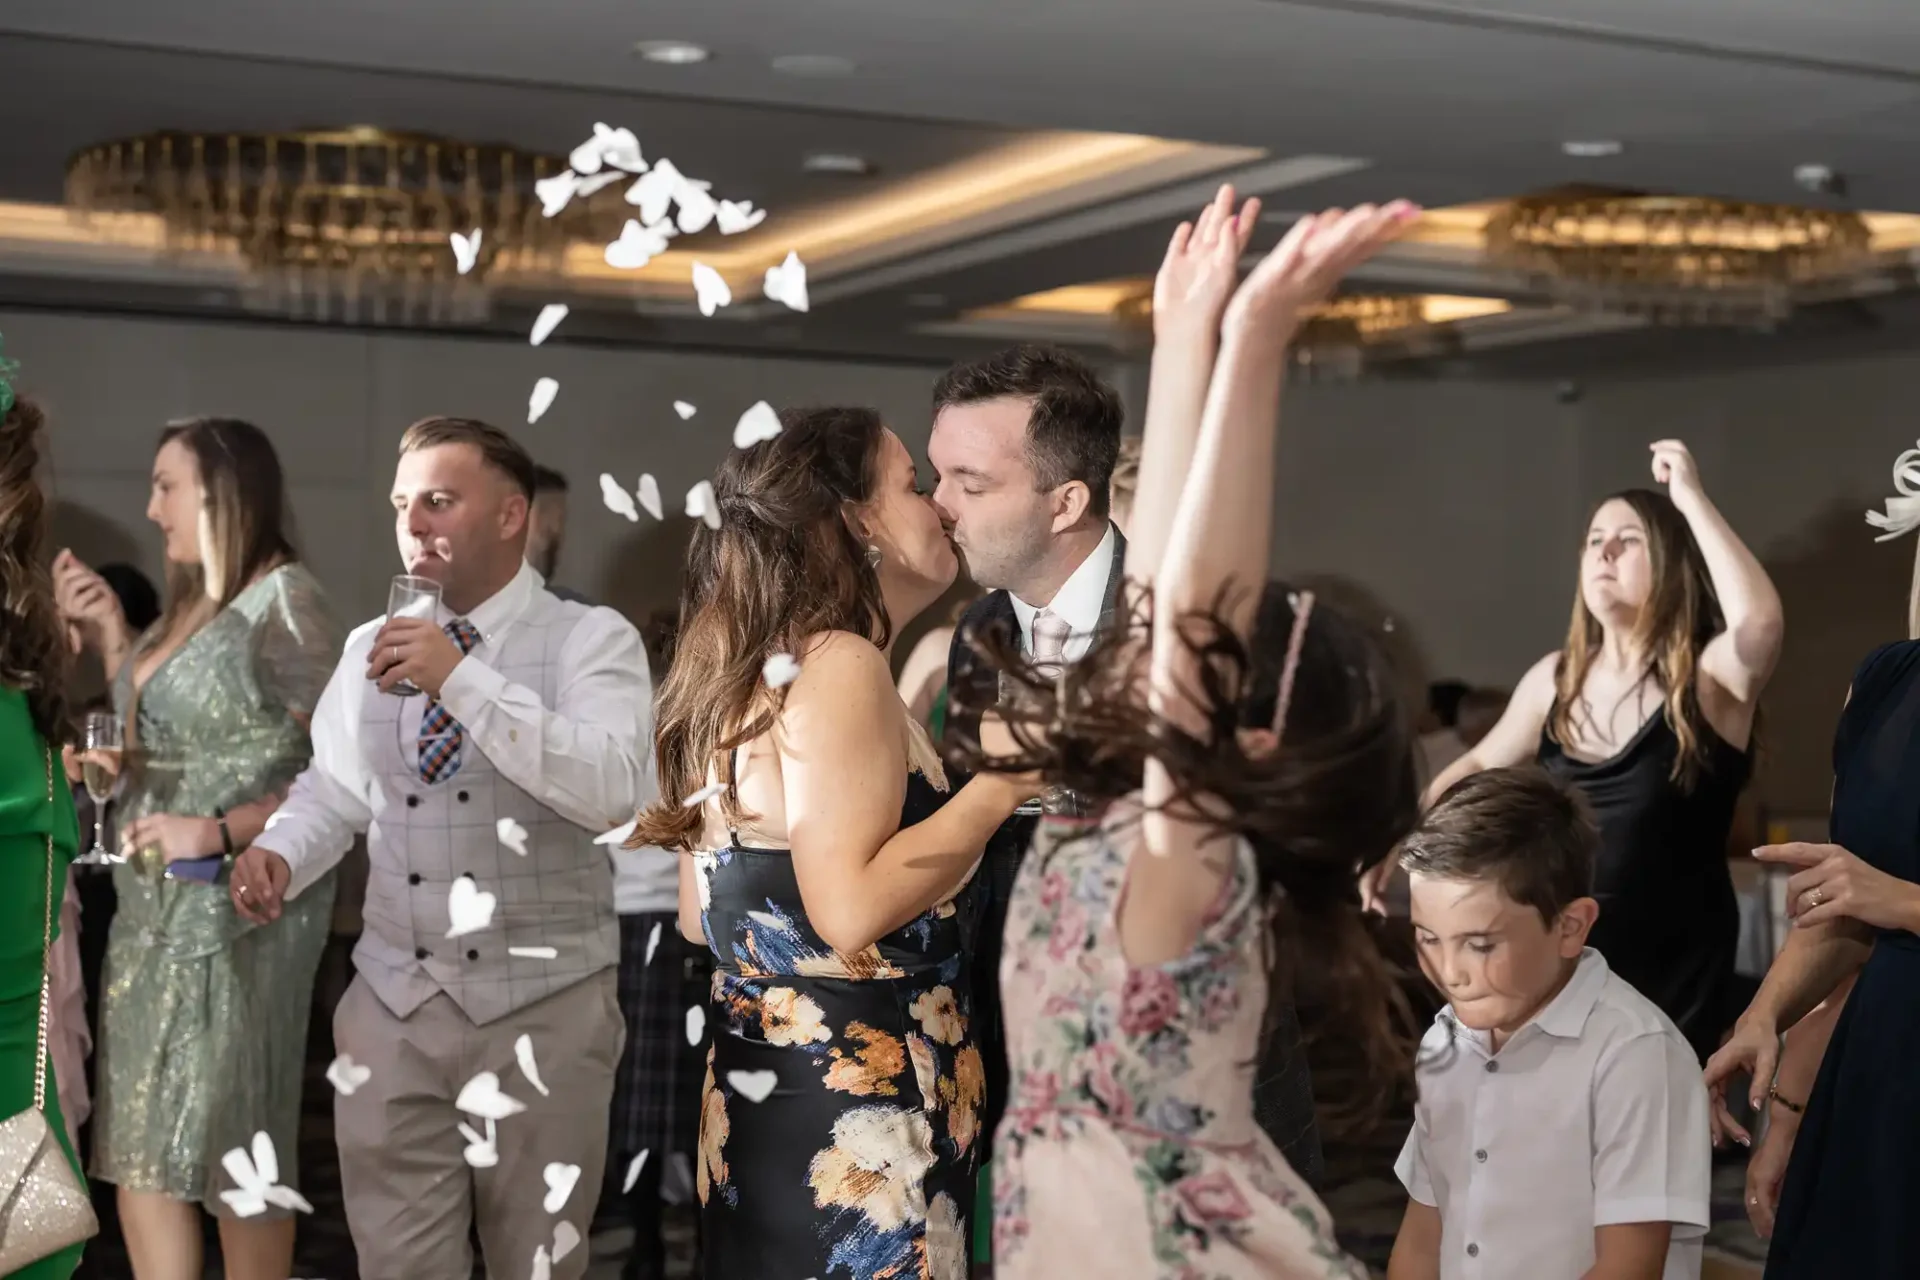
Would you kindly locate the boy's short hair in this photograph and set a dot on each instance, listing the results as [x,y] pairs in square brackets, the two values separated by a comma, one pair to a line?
[1524,829]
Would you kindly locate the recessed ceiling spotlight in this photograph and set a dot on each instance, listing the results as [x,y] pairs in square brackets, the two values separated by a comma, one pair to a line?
[1593,149]
[675,53]
[837,162]
[815,65]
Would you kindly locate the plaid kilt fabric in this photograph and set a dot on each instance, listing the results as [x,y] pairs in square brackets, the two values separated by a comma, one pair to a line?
[656,1095]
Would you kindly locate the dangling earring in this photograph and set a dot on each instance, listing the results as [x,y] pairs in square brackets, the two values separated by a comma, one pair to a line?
[873,555]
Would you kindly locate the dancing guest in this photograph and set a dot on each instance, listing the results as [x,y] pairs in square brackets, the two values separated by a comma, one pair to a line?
[38,834]
[489,914]
[1024,444]
[1834,1179]
[1562,1126]
[923,676]
[1649,709]
[203,1023]
[547,530]
[844,1088]
[1138,944]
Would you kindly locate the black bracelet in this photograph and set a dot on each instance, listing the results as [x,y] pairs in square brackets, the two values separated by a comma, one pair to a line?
[1797,1108]
[226,836]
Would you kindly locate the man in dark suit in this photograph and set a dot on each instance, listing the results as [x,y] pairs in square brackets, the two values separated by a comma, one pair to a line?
[1024,443]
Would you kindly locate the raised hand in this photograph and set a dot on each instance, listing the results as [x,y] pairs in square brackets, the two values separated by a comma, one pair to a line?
[1308,262]
[1201,267]
[1832,882]
[1673,465]
[86,602]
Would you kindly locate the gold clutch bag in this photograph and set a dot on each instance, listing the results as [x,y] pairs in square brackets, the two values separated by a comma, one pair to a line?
[44,1206]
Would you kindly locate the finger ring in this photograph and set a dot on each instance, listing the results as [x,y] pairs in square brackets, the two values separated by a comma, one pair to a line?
[1814,898]
[245,892]
[1753,1200]
[393,650]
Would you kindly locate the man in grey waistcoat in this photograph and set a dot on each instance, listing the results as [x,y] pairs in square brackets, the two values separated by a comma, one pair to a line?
[490,913]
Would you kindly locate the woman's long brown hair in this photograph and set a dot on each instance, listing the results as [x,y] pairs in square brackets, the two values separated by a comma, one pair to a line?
[243,526]
[1333,799]
[784,565]
[33,650]
[1681,615]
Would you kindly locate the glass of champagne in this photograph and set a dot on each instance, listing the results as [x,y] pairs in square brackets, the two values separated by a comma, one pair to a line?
[411,597]
[100,761]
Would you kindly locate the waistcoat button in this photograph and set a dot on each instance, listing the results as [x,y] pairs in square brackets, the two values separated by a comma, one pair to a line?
[413,802]
[414,878]
[420,953]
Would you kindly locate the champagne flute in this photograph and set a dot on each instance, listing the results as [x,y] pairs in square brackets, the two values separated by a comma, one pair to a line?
[100,762]
[411,597]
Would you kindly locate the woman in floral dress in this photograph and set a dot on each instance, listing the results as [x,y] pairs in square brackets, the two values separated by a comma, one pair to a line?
[1247,795]
[842,1102]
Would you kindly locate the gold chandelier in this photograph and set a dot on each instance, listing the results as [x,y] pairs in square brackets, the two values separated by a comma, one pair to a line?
[345,224]
[1351,320]
[1675,259]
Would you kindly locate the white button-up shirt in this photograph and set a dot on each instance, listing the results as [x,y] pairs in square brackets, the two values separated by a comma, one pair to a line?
[588,758]
[1591,1115]
[1080,601]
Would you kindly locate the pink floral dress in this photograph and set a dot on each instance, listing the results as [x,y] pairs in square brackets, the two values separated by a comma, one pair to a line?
[1129,1148]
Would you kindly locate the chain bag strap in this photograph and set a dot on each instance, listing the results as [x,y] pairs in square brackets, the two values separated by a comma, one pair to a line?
[44,1205]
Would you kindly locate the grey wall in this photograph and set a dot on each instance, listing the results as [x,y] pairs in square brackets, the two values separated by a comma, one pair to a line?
[1450,510]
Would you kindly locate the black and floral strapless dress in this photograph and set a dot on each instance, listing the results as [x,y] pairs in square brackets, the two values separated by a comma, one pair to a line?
[841,1111]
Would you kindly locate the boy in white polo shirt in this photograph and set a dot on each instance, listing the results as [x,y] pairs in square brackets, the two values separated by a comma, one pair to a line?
[1562,1130]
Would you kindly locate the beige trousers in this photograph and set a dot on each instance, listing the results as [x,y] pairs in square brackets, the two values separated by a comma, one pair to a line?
[410,1194]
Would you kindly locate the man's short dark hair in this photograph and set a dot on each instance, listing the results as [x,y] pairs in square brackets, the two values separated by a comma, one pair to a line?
[1524,829]
[547,480]
[500,450]
[1073,427]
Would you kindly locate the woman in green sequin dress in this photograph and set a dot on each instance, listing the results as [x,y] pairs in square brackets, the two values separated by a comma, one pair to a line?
[204,1017]
[32,714]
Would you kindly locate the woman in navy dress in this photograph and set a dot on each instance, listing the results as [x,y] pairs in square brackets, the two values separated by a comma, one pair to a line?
[1848,1140]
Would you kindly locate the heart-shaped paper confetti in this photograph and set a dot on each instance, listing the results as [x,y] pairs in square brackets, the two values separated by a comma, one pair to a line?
[481,1152]
[618,500]
[696,207]
[618,835]
[696,1024]
[634,1167]
[754,1086]
[542,1264]
[710,289]
[523,1054]
[787,282]
[556,192]
[636,247]
[654,192]
[535,953]
[560,1182]
[615,147]
[702,505]
[756,424]
[736,216]
[481,1096]
[684,409]
[653,943]
[466,250]
[469,908]
[512,835]
[650,497]
[542,399]
[257,1181]
[346,1075]
[566,1238]
[781,670]
[550,317]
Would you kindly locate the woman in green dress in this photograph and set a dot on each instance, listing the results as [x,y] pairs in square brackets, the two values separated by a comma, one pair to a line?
[32,723]
[204,1017]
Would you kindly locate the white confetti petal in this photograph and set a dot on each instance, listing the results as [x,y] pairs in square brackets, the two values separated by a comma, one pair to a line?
[650,497]
[550,317]
[782,669]
[637,246]
[481,1096]
[346,1075]
[638,1163]
[542,399]
[653,943]
[701,796]
[754,1086]
[756,424]
[566,1238]
[512,835]
[618,835]
[655,190]
[586,156]
[560,1182]
[737,216]
[684,409]
[697,208]
[702,505]
[788,282]
[523,1054]
[618,500]
[542,1264]
[534,953]
[710,289]
[256,1179]
[481,1153]
[469,908]
[466,250]
[696,1024]
[557,191]
[587,186]
[619,148]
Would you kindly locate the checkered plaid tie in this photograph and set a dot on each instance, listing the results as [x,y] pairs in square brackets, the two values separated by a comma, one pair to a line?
[440,733]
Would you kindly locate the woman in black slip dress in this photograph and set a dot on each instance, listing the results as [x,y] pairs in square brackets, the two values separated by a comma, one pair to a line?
[840,1116]
[1649,709]
[1834,1180]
